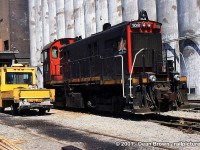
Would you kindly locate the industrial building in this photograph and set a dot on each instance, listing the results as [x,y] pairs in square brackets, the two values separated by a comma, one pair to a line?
[14,29]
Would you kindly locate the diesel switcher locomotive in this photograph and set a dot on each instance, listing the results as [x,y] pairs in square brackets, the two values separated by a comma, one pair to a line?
[121,68]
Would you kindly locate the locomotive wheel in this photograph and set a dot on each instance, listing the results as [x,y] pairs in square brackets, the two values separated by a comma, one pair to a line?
[151,100]
[118,104]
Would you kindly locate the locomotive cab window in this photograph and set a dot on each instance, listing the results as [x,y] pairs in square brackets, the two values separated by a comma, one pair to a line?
[54,52]
[44,56]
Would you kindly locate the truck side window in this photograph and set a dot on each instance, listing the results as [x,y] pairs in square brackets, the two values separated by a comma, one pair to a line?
[18,78]
[9,78]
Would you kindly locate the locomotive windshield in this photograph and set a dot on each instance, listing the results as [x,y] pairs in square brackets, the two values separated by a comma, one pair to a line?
[152,55]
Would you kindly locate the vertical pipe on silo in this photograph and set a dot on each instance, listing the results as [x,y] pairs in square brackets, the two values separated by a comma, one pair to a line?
[52,20]
[69,19]
[79,26]
[45,22]
[114,12]
[167,14]
[101,14]
[60,18]
[189,16]
[149,6]
[39,42]
[129,10]
[90,20]
[32,29]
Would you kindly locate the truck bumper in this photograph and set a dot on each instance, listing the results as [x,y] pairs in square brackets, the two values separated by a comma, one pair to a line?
[41,105]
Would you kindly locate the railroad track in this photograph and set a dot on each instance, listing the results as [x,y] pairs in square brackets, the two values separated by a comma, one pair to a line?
[187,125]
[7,145]
[194,101]
[194,110]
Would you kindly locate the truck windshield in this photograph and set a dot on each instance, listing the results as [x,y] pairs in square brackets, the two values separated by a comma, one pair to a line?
[18,78]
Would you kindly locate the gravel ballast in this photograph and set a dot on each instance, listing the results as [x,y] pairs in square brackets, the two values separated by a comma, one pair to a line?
[146,133]
[133,130]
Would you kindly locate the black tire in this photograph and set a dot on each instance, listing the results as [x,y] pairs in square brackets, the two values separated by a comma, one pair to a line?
[42,111]
[14,109]
[2,109]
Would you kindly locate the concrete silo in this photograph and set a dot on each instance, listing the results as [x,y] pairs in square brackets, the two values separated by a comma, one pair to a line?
[32,30]
[52,20]
[69,18]
[60,19]
[79,25]
[45,22]
[90,20]
[167,14]
[129,10]
[39,42]
[189,21]
[149,6]
[114,12]
[101,14]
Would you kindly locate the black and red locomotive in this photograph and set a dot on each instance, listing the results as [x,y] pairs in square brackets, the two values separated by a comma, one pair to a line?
[121,68]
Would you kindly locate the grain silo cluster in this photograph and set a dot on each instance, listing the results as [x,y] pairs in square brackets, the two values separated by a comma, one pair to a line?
[54,19]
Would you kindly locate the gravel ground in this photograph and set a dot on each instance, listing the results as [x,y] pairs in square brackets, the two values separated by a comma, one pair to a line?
[26,140]
[67,122]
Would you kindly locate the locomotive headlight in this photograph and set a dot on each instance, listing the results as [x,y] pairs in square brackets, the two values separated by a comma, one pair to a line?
[143,25]
[152,78]
[177,77]
[149,25]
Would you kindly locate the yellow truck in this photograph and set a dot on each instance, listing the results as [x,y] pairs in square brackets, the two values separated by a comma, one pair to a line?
[19,91]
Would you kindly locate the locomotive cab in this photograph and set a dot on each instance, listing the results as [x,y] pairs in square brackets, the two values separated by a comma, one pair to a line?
[51,59]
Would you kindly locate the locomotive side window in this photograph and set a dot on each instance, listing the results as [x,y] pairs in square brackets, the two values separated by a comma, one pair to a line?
[112,44]
[93,49]
[67,55]
[44,56]
[54,52]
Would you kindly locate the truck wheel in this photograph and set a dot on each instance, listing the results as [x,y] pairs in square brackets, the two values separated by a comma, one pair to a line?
[2,109]
[14,110]
[42,111]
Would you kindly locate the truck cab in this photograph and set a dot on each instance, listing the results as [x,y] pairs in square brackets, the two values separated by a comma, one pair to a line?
[19,91]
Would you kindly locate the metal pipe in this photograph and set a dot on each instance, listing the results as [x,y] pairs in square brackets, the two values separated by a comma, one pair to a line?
[132,70]
[186,69]
[123,87]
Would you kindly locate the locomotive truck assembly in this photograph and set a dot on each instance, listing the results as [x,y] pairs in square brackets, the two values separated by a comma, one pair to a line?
[121,68]
[18,90]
